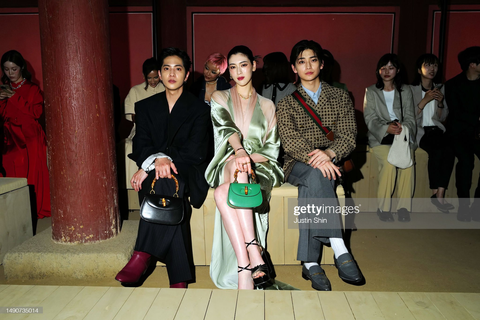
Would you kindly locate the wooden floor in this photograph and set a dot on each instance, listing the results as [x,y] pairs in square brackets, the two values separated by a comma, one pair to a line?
[69,302]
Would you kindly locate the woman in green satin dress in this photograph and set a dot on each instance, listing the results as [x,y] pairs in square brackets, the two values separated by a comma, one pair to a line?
[246,137]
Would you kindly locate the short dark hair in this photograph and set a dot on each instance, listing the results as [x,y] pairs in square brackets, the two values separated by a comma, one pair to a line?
[168,52]
[305,45]
[429,58]
[276,68]
[148,66]
[467,56]
[15,57]
[243,50]
[384,60]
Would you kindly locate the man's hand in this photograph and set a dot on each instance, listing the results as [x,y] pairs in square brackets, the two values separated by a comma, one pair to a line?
[329,170]
[163,168]
[318,157]
[137,179]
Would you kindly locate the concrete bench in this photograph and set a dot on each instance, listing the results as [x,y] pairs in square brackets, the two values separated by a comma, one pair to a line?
[15,214]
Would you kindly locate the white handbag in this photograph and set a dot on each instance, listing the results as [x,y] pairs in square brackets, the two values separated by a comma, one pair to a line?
[400,154]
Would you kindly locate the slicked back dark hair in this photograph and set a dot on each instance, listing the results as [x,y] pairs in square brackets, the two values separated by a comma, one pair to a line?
[243,50]
[384,60]
[168,52]
[15,57]
[305,45]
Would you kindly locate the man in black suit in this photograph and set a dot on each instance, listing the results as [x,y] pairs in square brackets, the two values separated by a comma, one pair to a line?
[463,127]
[173,133]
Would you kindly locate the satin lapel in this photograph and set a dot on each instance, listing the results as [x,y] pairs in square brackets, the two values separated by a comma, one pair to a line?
[178,116]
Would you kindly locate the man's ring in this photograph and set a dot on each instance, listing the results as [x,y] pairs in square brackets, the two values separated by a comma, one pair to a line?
[134,182]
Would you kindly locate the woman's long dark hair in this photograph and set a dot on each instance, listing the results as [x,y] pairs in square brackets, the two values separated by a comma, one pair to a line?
[384,60]
[15,57]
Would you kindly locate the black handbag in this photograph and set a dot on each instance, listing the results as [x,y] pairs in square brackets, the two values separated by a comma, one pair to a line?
[163,209]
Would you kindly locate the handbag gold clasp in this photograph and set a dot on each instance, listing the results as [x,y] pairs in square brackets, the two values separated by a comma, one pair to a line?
[164,202]
[246,190]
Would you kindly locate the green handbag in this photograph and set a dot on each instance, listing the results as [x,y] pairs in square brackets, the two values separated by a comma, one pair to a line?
[244,195]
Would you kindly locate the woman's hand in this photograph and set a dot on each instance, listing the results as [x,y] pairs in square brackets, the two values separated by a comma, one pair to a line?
[137,179]
[394,128]
[163,167]
[438,95]
[242,161]
[5,93]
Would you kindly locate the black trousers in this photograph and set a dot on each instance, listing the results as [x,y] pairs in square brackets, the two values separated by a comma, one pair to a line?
[171,245]
[440,157]
[465,151]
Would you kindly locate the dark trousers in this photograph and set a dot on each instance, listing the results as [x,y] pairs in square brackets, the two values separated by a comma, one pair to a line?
[171,245]
[440,157]
[465,151]
[314,188]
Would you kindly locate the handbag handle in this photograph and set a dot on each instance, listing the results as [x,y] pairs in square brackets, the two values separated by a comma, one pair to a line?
[176,186]
[250,175]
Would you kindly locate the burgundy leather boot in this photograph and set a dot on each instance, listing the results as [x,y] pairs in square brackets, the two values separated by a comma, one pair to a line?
[135,268]
[182,285]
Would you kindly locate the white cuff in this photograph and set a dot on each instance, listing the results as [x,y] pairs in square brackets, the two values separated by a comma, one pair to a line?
[149,163]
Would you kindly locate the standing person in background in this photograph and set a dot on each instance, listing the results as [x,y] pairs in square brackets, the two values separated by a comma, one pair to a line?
[431,112]
[277,77]
[463,128]
[212,79]
[387,108]
[151,86]
[24,147]
[311,158]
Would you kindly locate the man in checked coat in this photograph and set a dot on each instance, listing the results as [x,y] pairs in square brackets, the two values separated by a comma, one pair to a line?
[312,152]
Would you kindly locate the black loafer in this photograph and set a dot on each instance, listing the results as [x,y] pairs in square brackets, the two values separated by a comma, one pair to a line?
[347,269]
[385,216]
[441,207]
[403,215]
[318,277]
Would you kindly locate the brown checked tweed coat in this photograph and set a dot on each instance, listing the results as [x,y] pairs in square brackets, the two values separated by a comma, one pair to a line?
[300,135]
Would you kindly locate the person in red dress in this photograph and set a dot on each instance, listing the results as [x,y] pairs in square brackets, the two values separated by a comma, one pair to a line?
[24,152]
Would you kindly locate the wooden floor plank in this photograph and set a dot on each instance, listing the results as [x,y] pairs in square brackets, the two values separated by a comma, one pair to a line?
[137,305]
[471,302]
[166,304]
[420,306]
[3,287]
[306,305]
[335,305]
[392,306]
[12,293]
[83,302]
[222,305]
[32,298]
[55,302]
[110,303]
[449,306]
[363,306]
[278,305]
[250,305]
[194,304]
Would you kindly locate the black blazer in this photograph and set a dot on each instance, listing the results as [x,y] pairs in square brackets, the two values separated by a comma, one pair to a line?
[198,87]
[183,135]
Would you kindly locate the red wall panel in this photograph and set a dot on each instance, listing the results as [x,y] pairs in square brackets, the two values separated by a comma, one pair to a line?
[130,42]
[463,30]
[357,37]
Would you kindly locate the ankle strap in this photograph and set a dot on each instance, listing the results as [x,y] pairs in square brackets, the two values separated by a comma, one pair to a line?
[253,242]
[244,268]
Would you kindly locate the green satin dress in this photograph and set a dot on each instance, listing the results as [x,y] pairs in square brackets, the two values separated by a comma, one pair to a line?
[262,138]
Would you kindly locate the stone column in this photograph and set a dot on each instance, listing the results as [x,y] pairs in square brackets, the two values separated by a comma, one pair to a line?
[79,119]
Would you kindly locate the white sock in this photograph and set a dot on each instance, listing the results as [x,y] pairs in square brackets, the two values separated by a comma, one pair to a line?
[338,246]
[309,264]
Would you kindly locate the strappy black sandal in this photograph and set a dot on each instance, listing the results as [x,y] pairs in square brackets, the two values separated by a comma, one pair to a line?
[261,268]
